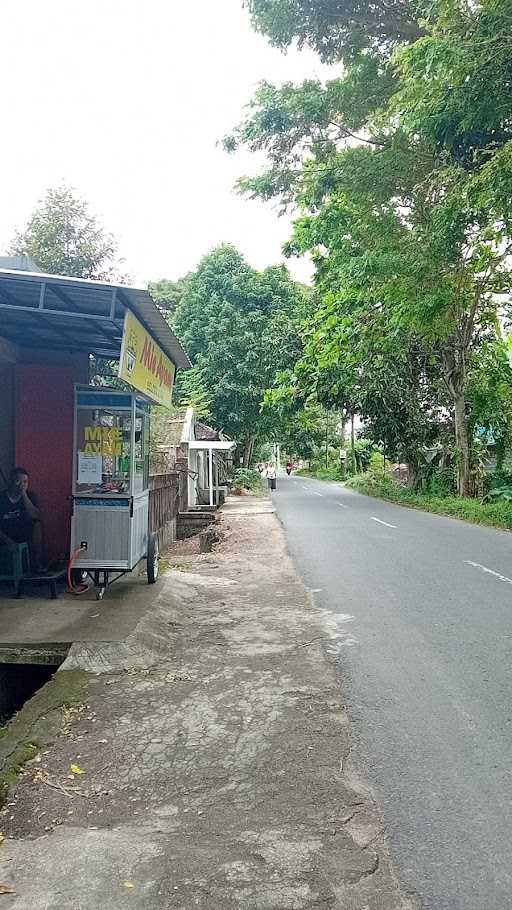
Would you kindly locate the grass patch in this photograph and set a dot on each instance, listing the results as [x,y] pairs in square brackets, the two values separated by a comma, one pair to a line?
[494,514]
[320,473]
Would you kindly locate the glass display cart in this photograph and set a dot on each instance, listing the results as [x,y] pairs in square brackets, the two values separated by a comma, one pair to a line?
[109,527]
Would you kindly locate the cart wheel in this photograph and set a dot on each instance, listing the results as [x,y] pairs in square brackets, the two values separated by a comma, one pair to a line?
[152,559]
[99,593]
[78,577]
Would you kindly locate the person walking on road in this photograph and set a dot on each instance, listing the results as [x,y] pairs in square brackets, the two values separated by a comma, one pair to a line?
[271,477]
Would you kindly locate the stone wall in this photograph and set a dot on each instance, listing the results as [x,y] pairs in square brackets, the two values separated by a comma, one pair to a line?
[193,522]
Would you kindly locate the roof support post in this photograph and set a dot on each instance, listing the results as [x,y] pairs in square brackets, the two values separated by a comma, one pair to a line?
[113,305]
[210,459]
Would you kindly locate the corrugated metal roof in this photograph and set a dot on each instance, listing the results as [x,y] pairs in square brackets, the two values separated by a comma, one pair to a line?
[150,315]
[78,314]
[203,431]
[20,263]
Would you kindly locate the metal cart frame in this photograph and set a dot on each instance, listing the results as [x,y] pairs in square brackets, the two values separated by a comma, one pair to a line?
[109,528]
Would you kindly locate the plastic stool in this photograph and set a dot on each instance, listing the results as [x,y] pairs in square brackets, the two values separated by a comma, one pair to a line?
[15,566]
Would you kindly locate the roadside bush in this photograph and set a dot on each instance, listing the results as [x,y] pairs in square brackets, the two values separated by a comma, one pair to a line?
[246,479]
[494,480]
[442,482]
[330,473]
[321,473]
[377,466]
[364,450]
[496,514]
[499,494]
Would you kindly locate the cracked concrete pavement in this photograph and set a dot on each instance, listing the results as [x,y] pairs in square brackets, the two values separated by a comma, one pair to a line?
[215,751]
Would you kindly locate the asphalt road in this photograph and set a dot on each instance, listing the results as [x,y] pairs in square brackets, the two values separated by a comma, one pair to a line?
[420,608]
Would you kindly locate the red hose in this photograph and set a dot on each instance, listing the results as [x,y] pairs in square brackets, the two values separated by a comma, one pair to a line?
[81,589]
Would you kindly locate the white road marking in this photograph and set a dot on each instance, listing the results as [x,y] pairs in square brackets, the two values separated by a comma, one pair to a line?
[383,522]
[317,494]
[342,505]
[477,565]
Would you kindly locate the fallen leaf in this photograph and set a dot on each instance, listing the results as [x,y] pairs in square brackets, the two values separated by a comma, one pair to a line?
[128,884]
[76,770]
[7,889]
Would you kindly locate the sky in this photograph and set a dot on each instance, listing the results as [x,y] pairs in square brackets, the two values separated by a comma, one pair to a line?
[126,102]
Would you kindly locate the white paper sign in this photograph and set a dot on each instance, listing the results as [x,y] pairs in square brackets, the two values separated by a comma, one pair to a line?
[89,468]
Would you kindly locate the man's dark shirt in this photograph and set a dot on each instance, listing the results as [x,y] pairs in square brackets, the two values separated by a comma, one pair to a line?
[15,522]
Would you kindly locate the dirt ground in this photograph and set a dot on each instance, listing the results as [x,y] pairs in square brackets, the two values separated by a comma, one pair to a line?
[208,763]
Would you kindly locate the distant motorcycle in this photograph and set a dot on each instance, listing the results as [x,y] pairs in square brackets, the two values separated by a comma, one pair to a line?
[289,468]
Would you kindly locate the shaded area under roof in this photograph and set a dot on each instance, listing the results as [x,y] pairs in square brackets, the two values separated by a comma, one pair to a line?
[78,314]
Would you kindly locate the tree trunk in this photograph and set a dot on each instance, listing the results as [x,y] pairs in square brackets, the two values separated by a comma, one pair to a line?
[462,443]
[412,474]
[248,447]
[454,368]
[353,445]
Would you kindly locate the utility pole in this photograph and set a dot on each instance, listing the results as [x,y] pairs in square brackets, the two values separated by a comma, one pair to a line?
[352,444]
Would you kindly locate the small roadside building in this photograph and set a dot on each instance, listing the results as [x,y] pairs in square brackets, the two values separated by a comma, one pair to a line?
[202,456]
[209,456]
[51,328]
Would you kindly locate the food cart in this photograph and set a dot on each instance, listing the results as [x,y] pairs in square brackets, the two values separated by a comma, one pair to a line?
[109,528]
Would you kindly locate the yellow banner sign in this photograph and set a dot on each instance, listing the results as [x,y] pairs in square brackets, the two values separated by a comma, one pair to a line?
[143,363]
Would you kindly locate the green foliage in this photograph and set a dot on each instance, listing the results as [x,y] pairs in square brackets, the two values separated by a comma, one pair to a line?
[247,479]
[499,494]
[456,87]
[167,295]
[498,515]
[63,238]
[490,396]
[240,328]
[402,170]
[378,466]
[192,391]
[498,478]
[364,452]
[336,29]
[441,482]
[321,473]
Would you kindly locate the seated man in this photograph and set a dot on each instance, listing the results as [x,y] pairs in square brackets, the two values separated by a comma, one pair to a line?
[20,518]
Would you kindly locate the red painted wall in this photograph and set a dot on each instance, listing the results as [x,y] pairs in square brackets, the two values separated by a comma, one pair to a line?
[44,444]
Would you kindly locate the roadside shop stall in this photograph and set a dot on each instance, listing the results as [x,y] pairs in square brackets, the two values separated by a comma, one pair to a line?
[85,447]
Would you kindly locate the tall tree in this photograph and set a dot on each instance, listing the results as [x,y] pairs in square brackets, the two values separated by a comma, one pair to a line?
[63,238]
[337,29]
[167,295]
[405,188]
[240,327]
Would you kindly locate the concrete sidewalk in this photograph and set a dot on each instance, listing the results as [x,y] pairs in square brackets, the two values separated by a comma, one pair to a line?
[36,619]
[208,764]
